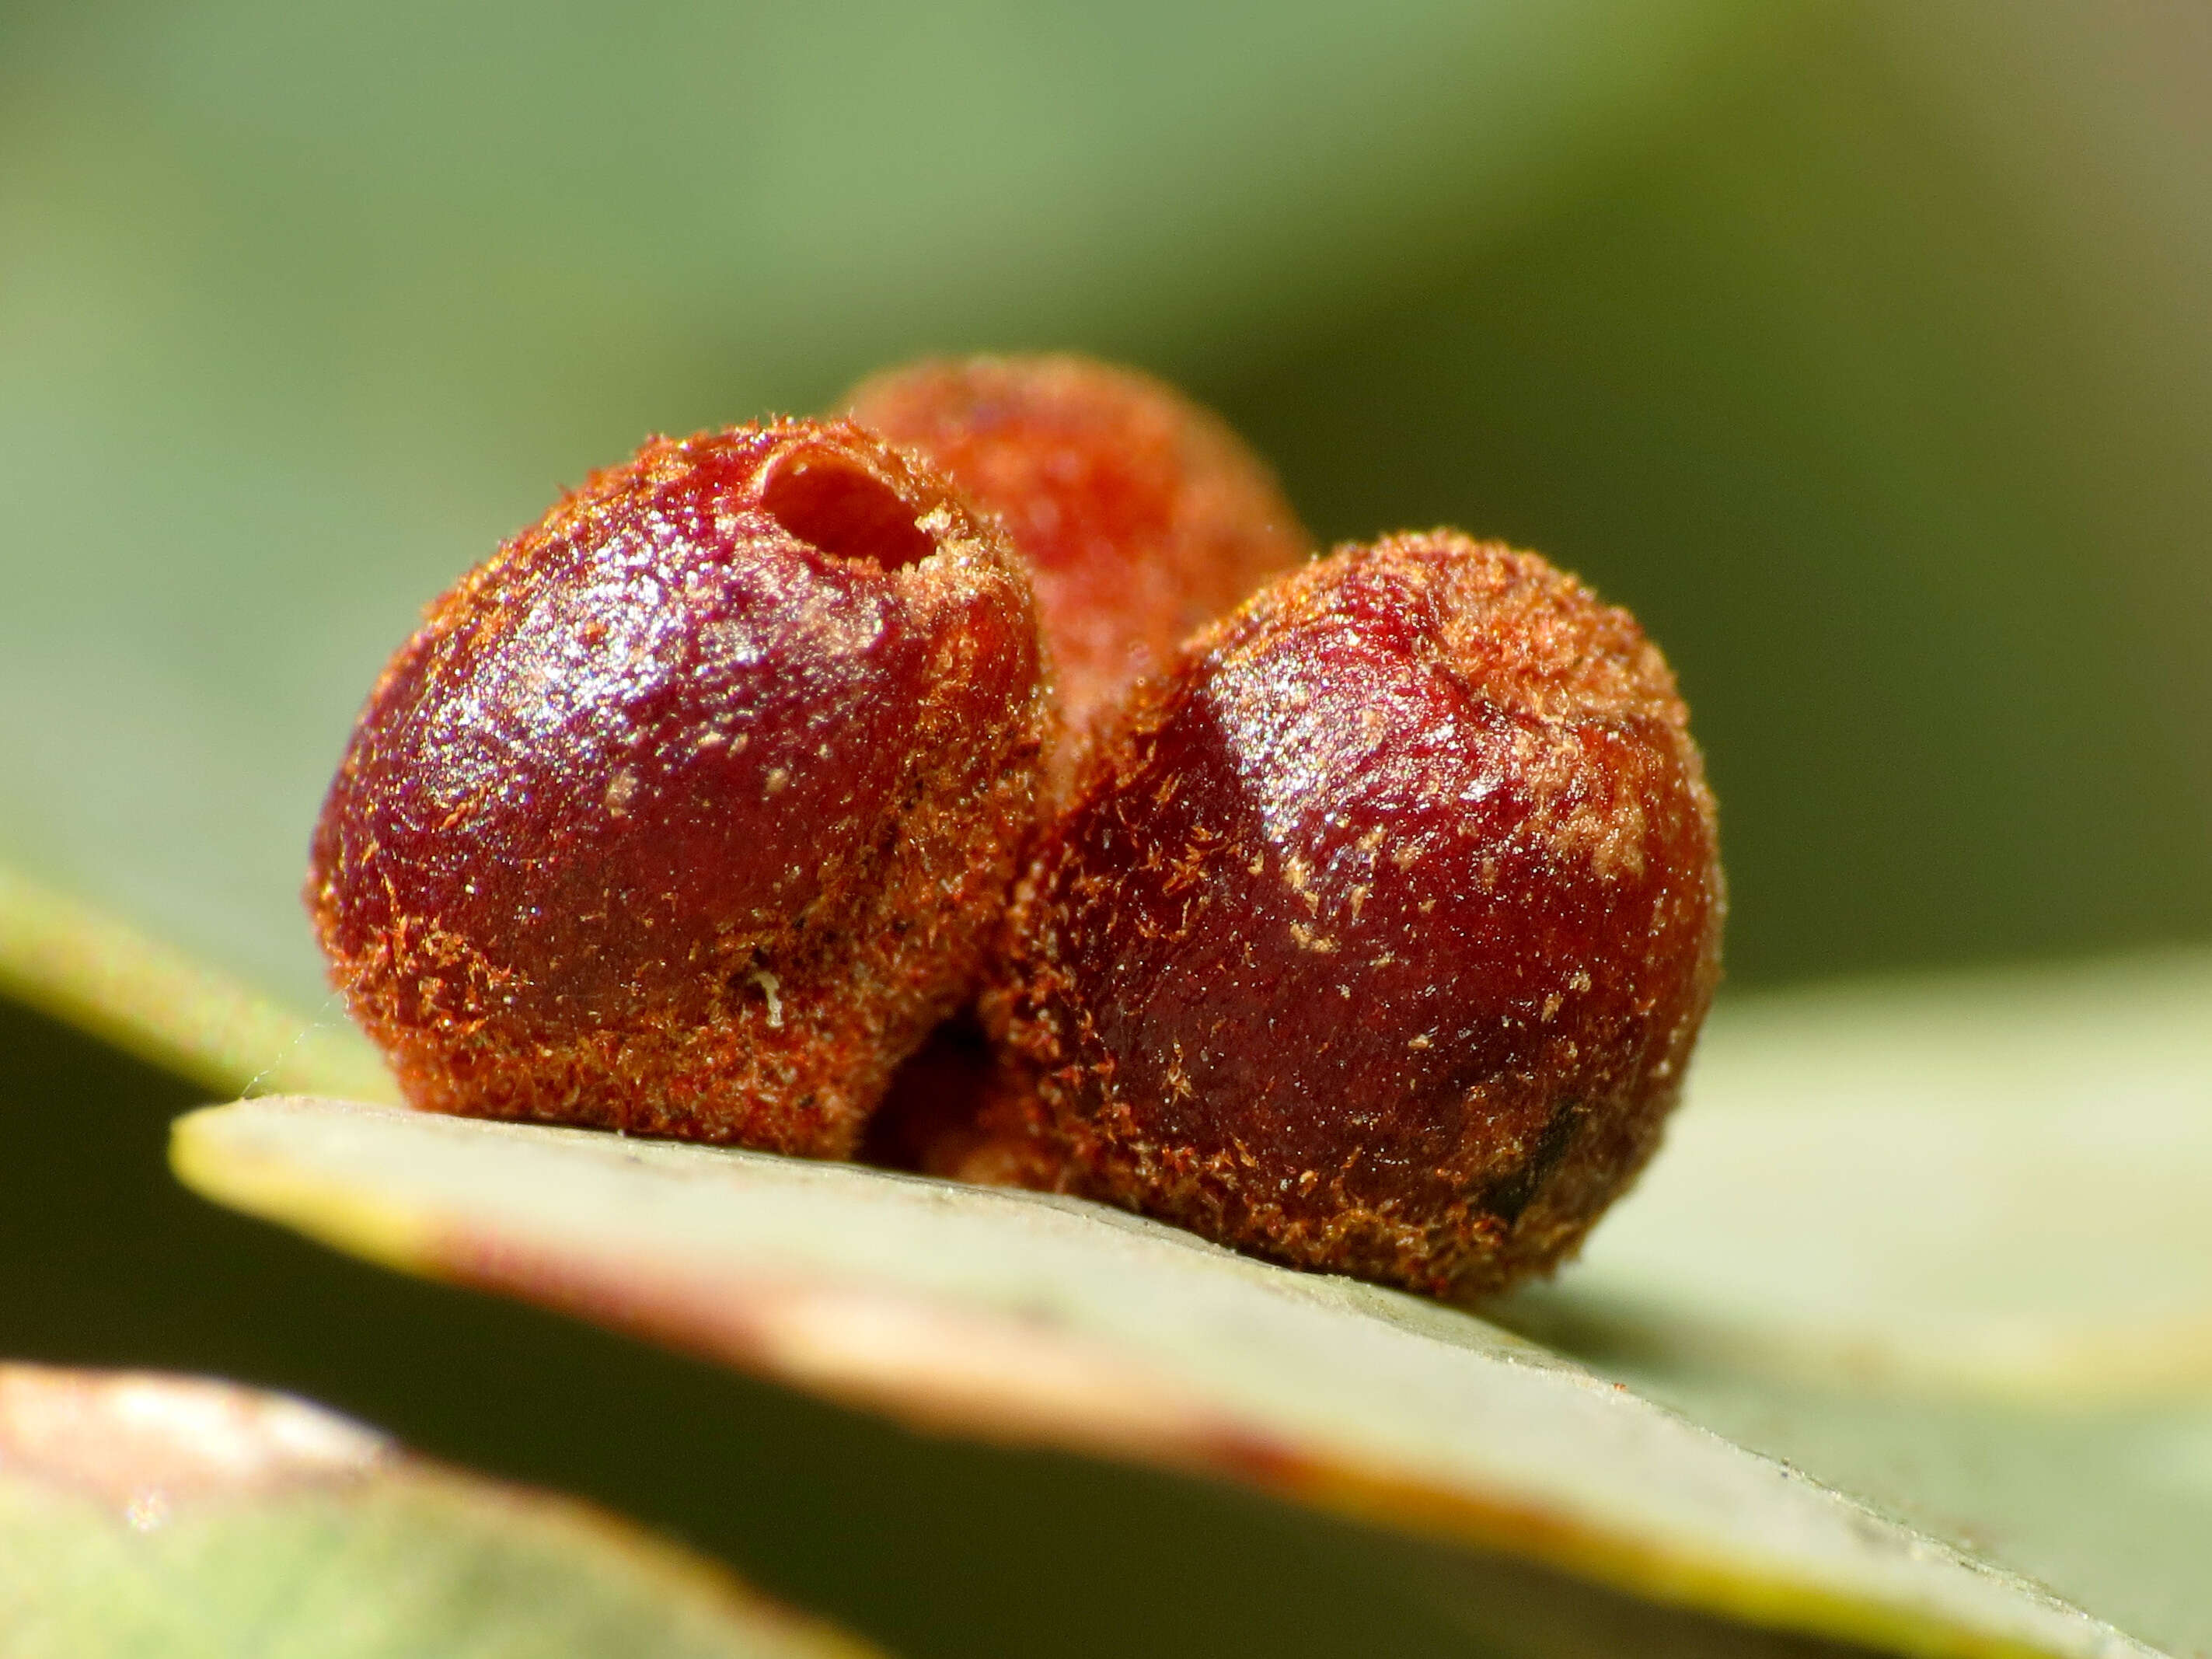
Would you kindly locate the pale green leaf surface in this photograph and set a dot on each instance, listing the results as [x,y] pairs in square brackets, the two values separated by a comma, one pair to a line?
[1945,1242]
[2109,1503]
[177,1518]
[110,980]
[1027,1318]
[1995,1183]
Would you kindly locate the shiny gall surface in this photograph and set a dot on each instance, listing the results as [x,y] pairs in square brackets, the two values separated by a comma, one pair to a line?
[1378,932]
[688,812]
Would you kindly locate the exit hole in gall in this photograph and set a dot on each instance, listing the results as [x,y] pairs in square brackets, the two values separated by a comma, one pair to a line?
[845,511]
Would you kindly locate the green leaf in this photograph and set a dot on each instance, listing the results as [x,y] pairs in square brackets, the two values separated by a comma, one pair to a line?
[1945,1244]
[1031,1319]
[154,1515]
[112,980]
[2110,1504]
[1992,1183]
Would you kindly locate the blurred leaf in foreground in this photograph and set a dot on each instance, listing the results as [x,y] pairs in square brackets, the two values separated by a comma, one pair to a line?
[149,1514]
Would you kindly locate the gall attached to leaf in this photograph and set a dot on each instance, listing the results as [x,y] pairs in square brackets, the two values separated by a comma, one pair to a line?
[691,810]
[1377,931]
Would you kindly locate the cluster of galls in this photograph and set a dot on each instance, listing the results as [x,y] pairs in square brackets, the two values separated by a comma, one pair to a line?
[1358,911]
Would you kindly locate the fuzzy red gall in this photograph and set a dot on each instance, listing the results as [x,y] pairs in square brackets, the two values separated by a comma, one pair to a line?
[1142,516]
[690,810]
[1376,934]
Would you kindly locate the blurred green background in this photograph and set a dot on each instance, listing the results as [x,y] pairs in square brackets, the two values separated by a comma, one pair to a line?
[1864,349]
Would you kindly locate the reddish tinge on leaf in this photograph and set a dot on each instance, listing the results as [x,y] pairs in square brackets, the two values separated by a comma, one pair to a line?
[690,812]
[1142,516]
[1377,933]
